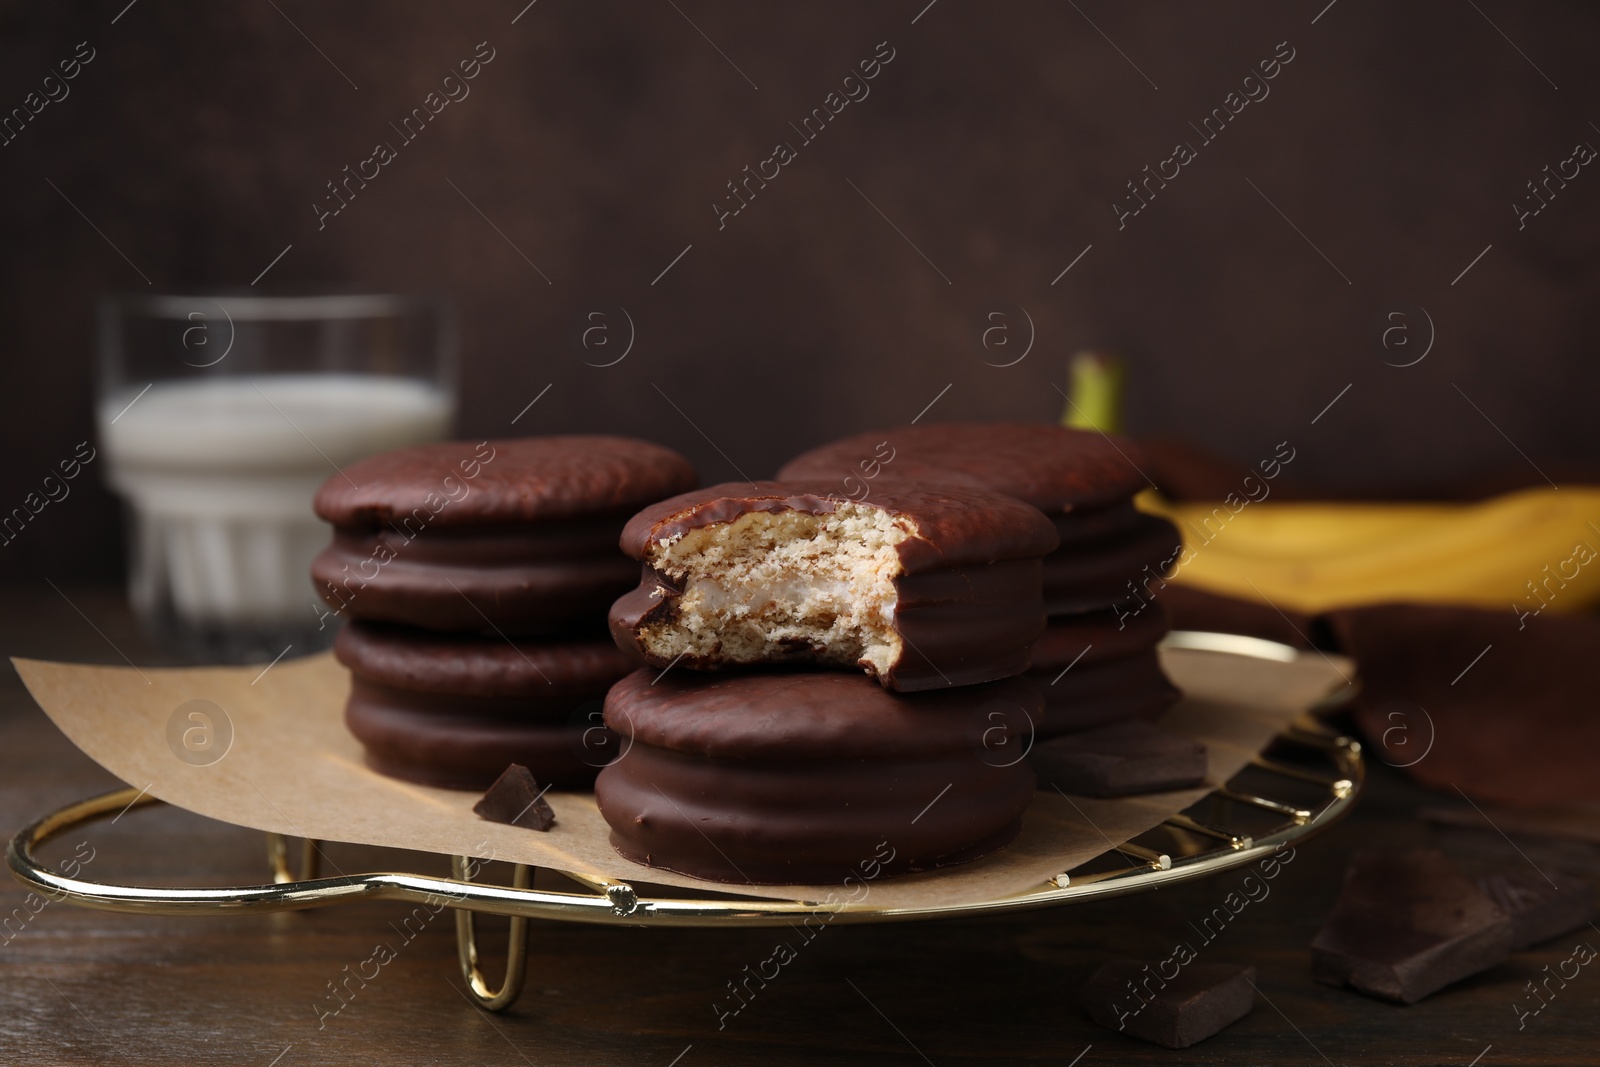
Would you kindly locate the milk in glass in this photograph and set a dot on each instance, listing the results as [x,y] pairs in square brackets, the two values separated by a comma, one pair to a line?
[219,474]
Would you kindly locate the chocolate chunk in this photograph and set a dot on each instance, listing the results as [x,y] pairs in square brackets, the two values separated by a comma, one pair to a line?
[1407,924]
[1137,999]
[1119,759]
[922,588]
[1539,910]
[516,799]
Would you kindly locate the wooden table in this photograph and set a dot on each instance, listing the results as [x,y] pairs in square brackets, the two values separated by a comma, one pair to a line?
[80,986]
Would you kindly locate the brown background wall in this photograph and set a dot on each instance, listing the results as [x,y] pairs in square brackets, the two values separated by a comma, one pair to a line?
[997,139]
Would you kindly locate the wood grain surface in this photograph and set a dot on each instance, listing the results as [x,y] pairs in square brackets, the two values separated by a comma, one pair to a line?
[79,986]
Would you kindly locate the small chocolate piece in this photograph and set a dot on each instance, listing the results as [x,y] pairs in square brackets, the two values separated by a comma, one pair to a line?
[1119,759]
[923,588]
[1137,999]
[516,799]
[1539,910]
[812,777]
[1407,924]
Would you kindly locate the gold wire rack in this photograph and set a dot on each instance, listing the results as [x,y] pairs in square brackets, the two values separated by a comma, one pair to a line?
[1314,775]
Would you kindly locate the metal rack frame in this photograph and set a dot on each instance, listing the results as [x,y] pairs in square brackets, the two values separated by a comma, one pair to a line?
[1336,769]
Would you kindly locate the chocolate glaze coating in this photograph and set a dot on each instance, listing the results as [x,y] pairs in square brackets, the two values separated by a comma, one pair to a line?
[1082,480]
[783,777]
[1101,667]
[466,742]
[531,597]
[517,535]
[1092,695]
[1085,526]
[1052,468]
[454,710]
[788,716]
[1096,636]
[1129,564]
[1121,759]
[956,526]
[461,665]
[506,481]
[968,604]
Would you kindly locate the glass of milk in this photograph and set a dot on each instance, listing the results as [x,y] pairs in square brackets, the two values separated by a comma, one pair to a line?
[219,416]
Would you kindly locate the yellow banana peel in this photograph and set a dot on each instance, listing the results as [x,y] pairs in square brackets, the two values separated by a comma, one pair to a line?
[1527,551]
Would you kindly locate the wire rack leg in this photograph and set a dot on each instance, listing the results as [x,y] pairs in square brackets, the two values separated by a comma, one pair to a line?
[484,995]
[278,856]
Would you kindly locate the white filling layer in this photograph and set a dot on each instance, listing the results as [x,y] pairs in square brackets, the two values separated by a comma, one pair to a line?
[787,585]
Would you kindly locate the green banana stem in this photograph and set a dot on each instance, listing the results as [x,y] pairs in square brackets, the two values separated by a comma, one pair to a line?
[1095,393]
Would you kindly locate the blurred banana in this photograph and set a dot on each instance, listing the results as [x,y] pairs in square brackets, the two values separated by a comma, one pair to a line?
[1095,399]
[1527,550]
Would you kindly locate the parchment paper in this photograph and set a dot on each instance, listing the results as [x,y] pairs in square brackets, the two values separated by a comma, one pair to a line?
[293,769]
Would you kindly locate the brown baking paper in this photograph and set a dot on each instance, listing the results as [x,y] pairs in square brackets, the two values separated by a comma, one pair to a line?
[291,768]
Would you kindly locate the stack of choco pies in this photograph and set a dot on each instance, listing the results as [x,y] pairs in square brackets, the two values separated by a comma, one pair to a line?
[828,687]
[475,578]
[1096,660]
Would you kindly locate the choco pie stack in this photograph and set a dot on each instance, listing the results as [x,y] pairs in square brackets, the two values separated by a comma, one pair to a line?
[830,687]
[1096,660]
[475,579]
